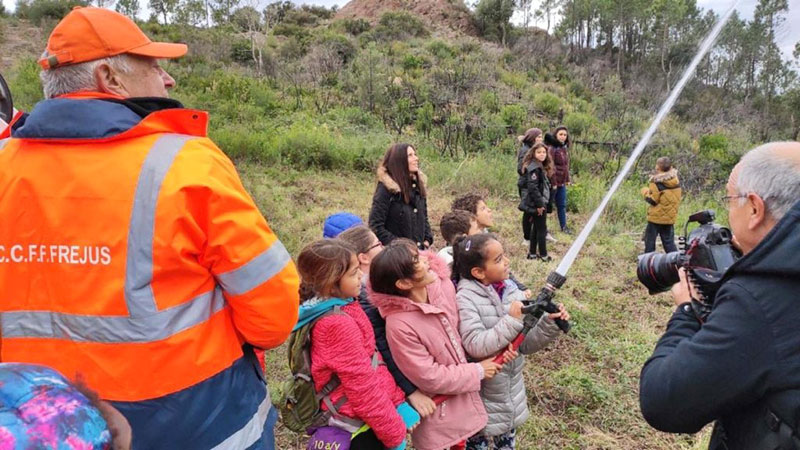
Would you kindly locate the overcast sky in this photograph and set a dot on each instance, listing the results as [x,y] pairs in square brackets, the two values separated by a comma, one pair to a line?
[787,35]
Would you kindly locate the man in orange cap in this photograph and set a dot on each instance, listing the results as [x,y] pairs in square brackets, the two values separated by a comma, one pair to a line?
[130,253]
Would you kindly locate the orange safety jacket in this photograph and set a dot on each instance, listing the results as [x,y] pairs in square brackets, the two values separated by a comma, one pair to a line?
[136,259]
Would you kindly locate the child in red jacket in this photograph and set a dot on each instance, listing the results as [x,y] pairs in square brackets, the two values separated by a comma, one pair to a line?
[343,345]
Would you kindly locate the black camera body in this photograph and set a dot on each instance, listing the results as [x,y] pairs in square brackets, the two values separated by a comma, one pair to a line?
[705,254]
[6,103]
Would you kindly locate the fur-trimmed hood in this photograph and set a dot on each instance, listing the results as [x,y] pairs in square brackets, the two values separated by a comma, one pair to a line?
[551,140]
[389,304]
[665,177]
[391,185]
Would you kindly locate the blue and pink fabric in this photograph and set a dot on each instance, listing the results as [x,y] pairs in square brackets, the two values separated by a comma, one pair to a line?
[40,409]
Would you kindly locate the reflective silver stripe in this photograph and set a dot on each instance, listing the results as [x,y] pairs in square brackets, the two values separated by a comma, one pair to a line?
[112,329]
[139,263]
[3,143]
[257,271]
[251,432]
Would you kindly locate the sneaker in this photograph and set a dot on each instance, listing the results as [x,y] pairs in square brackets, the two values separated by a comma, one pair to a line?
[550,238]
[546,258]
[566,230]
[533,256]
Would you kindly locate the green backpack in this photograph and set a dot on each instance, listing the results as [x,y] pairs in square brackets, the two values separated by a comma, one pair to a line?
[300,405]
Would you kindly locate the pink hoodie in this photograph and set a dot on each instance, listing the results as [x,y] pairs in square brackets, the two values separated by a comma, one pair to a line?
[343,344]
[427,348]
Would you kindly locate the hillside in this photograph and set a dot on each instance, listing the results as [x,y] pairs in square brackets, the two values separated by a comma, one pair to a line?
[306,106]
[446,16]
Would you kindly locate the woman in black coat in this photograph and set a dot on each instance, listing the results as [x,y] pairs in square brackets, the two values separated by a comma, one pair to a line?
[532,137]
[399,206]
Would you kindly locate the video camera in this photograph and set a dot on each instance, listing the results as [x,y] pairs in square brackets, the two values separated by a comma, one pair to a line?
[705,254]
[6,103]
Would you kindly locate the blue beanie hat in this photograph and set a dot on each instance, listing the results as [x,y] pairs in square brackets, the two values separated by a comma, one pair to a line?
[336,223]
[39,408]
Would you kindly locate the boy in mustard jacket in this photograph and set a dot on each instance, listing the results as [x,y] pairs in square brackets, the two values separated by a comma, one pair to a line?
[664,196]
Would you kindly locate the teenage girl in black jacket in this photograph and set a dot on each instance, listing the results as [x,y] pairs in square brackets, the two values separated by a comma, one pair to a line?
[537,201]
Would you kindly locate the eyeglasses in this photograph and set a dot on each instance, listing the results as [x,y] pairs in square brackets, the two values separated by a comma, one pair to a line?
[376,245]
[726,200]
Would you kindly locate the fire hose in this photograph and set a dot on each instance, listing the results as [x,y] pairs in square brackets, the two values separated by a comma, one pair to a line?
[544,301]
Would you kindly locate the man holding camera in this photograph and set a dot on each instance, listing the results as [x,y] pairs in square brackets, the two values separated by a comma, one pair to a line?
[130,253]
[741,366]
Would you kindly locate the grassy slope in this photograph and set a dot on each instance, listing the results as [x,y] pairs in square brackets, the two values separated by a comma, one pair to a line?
[583,391]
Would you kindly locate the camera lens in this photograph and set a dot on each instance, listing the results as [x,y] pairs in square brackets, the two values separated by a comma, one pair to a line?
[658,271]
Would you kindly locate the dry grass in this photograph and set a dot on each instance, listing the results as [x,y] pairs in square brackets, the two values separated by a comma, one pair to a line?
[582,391]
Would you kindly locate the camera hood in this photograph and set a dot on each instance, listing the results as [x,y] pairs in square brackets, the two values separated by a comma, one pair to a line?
[6,103]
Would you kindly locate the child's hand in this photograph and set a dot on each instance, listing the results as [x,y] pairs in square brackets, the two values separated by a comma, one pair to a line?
[490,368]
[515,310]
[539,211]
[422,403]
[509,354]
[561,314]
[527,293]
[645,190]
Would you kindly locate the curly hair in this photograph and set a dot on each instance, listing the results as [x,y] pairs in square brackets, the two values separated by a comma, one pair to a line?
[468,202]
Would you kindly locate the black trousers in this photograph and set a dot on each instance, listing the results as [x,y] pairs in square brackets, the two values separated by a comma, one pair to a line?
[527,223]
[538,234]
[366,441]
[667,233]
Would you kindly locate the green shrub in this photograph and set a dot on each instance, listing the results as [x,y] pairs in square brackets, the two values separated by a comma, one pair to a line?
[440,49]
[547,103]
[424,119]
[579,123]
[715,147]
[241,51]
[339,43]
[290,30]
[488,101]
[38,10]
[514,116]
[411,62]
[353,117]
[354,26]
[399,25]
[577,197]
[319,11]
[238,142]
[26,89]
[300,17]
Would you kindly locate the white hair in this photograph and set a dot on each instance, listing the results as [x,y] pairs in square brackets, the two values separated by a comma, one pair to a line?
[774,178]
[79,77]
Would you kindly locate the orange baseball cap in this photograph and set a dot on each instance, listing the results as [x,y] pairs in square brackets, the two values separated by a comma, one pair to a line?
[86,34]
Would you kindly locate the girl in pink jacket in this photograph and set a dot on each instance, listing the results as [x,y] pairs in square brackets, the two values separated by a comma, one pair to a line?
[343,345]
[413,291]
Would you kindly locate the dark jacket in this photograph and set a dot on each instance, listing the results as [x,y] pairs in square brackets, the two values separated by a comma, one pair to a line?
[521,179]
[560,156]
[379,328]
[537,188]
[743,361]
[391,218]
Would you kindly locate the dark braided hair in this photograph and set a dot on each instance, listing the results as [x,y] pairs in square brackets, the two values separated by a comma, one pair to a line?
[469,252]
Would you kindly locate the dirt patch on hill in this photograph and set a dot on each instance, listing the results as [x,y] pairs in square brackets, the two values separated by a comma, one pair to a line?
[19,39]
[448,17]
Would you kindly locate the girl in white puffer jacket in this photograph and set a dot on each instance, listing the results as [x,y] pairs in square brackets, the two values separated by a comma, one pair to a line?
[490,314]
